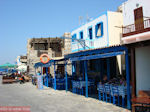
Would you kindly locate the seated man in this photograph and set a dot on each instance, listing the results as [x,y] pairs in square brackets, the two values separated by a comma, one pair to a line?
[104,79]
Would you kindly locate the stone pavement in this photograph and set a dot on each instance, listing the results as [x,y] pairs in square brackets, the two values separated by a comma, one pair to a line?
[49,100]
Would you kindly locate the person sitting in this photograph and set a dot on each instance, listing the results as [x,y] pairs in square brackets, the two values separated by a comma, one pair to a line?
[22,79]
[104,79]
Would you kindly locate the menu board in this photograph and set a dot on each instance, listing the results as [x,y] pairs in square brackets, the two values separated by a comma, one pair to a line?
[40,82]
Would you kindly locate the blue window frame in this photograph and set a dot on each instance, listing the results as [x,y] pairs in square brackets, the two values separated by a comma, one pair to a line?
[90,33]
[99,30]
[74,37]
[81,35]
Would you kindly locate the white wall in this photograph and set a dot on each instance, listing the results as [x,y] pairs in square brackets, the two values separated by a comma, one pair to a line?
[128,10]
[97,42]
[115,22]
[111,32]
[142,68]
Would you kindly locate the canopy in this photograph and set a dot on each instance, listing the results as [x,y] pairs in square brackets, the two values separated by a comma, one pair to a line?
[8,65]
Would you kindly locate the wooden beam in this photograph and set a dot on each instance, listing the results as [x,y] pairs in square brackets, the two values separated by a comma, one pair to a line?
[133,75]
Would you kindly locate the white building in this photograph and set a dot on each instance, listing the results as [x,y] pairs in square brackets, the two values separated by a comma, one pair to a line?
[101,32]
[136,35]
[21,63]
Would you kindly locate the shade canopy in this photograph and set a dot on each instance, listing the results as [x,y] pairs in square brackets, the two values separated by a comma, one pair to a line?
[8,65]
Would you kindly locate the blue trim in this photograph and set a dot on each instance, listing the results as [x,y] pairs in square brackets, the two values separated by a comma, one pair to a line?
[55,76]
[107,30]
[81,34]
[88,33]
[66,76]
[43,65]
[74,36]
[86,78]
[97,56]
[80,49]
[97,51]
[128,81]
[96,29]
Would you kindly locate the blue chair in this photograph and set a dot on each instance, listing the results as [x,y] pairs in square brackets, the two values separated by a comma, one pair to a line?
[115,93]
[91,86]
[78,87]
[101,91]
[47,78]
[60,84]
[73,86]
[107,92]
[122,93]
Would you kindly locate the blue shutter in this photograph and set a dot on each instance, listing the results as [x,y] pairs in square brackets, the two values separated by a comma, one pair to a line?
[96,28]
[102,31]
[73,37]
[90,33]
[81,35]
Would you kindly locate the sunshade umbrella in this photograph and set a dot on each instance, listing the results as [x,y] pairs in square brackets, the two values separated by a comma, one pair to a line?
[8,65]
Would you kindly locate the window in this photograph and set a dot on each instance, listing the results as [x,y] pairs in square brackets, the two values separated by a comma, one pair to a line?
[41,46]
[90,33]
[99,30]
[81,35]
[74,37]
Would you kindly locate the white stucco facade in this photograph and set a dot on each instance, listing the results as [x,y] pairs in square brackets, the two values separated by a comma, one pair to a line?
[128,10]
[111,34]
[136,31]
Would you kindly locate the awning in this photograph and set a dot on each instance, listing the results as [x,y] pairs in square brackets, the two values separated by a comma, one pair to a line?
[40,64]
[97,56]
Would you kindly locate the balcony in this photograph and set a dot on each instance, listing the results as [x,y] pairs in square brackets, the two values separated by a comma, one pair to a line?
[136,28]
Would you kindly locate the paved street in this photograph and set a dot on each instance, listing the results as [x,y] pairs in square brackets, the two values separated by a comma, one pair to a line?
[49,100]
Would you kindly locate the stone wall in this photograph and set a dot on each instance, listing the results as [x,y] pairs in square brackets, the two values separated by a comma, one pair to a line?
[32,54]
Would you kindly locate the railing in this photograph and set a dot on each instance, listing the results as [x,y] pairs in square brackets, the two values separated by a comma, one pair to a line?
[136,28]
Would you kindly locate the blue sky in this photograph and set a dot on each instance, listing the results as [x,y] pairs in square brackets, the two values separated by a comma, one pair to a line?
[23,19]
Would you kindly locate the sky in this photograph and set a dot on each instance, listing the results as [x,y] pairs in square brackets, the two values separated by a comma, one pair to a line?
[24,19]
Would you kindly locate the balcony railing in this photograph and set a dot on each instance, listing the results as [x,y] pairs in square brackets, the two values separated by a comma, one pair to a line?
[136,28]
